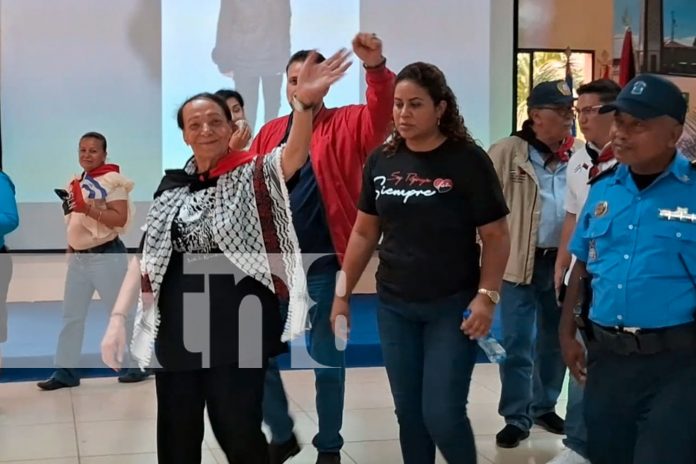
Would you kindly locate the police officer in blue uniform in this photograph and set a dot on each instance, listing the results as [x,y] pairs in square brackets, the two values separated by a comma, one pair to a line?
[636,241]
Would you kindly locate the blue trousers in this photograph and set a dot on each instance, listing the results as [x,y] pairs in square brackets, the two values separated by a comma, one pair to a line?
[641,409]
[329,381]
[532,374]
[575,428]
[87,272]
[429,362]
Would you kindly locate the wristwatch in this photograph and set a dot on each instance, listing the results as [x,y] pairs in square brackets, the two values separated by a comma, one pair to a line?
[492,294]
[298,105]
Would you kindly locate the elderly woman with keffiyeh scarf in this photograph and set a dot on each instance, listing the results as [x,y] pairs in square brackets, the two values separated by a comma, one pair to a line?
[219,230]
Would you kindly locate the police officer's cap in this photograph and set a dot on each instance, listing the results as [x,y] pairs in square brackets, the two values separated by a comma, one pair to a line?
[648,96]
[554,93]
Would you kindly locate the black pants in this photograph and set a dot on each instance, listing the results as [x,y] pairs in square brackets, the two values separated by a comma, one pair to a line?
[5,277]
[233,397]
[641,409]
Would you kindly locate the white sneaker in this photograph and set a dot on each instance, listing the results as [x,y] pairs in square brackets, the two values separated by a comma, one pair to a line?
[569,457]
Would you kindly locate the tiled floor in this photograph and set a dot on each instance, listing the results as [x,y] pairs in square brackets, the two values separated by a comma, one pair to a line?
[102,422]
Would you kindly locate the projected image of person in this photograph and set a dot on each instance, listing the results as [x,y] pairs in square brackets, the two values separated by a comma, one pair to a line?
[241,137]
[225,208]
[9,220]
[97,210]
[427,193]
[323,203]
[252,47]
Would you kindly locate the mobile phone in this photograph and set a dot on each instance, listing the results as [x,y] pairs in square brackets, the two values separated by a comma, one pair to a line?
[62,194]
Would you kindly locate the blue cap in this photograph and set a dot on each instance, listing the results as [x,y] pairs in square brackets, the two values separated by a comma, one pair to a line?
[648,96]
[553,93]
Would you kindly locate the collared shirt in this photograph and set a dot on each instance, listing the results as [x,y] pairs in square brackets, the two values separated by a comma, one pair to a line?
[552,188]
[632,240]
[578,176]
[578,183]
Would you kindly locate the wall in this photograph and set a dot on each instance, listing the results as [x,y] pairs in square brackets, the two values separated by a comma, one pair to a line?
[688,85]
[467,39]
[581,25]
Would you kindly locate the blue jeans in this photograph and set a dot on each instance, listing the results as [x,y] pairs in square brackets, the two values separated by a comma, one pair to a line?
[329,382]
[532,376]
[429,362]
[575,428]
[87,272]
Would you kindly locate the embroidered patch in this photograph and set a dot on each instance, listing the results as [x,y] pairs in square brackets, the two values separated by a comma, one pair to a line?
[638,88]
[679,214]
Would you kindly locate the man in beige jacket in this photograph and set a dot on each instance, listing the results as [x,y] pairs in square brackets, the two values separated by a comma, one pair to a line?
[531,166]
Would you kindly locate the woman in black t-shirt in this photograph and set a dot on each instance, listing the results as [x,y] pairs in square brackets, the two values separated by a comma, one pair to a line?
[428,192]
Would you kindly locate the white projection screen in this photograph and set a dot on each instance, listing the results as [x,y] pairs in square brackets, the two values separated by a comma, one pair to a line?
[122,68]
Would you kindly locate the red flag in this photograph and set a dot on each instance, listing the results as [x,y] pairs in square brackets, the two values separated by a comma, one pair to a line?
[627,66]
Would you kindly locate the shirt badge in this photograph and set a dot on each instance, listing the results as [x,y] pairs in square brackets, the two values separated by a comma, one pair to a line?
[592,254]
[601,209]
[679,214]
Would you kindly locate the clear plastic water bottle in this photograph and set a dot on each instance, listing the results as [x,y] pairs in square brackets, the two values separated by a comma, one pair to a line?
[494,350]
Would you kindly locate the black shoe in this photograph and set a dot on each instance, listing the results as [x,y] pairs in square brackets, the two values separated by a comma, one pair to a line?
[551,422]
[281,452]
[54,384]
[329,458]
[133,376]
[510,436]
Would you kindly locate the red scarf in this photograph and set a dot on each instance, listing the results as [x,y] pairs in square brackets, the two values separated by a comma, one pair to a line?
[101,170]
[607,154]
[174,178]
[566,148]
[563,152]
[232,160]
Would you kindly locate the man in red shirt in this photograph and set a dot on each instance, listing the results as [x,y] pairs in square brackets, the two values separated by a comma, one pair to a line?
[323,200]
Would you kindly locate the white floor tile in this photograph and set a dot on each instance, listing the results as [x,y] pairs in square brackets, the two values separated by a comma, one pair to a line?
[34,409]
[46,461]
[27,442]
[117,437]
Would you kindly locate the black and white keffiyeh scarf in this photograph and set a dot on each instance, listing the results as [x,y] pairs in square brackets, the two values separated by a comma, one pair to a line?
[252,226]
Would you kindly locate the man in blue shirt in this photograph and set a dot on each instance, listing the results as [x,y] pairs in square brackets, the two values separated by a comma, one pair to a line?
[636,240]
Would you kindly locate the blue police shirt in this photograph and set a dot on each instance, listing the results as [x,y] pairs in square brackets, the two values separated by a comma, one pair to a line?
[631,241]
[552,190]
[9,218]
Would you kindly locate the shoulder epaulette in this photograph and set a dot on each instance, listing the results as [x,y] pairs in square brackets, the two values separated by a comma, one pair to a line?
[604,173]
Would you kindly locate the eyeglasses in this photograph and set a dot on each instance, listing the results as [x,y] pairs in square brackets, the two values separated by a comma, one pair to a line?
[587,110]
[559,110]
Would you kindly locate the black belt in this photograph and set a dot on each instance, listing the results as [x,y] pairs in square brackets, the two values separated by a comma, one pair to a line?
[546,251]
[100,248]
[627,341]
